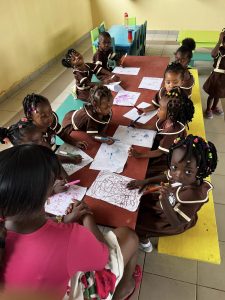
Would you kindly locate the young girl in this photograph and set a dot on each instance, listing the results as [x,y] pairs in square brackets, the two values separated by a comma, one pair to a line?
[83,73]
[173,77]
[94,117]
[183,55]
[46,254]
[38,110]
[215,84]
[174,209]
[104,55]
[173,114]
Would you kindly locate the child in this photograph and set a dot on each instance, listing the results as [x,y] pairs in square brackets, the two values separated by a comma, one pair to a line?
[173,77]
[104,55]
[173,115]
[174,209]
[38,109]
[183,55]
[94,117]
[83,73]
[46,254]
[215,84]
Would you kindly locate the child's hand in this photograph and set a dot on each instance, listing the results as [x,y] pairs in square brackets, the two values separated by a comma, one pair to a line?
[135,153]
[82,145]
[59,187]
[135,184]
[76,211]
[222,34]
[109,141]
[164,191]
[75,159]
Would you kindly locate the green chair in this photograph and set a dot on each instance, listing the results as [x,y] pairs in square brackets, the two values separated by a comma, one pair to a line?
[94,35]
[143,37]
[131,21]
[102,27]
[112,63]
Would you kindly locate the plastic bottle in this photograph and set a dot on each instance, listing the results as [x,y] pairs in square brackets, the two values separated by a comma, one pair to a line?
[126,19]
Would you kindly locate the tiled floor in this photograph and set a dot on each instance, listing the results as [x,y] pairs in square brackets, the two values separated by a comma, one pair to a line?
[164,277]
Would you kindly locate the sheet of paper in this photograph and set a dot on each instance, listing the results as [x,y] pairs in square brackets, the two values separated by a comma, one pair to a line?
[126,71]
[111,157]
[71,168]
[135,136]
[114,86]
[133,114]
[151,83]
[58,203]
[125,98]
[111,188]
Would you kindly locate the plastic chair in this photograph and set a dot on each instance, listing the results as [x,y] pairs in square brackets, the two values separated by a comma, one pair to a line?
[102,27]
[143,37]
[94,35]
[131,21]
[136,45]
[112,63]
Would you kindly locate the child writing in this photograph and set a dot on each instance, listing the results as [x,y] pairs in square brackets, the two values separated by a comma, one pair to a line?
[83,73]
[46,254]
[183,55]
[174,208]
[38,110]
[173,114]
[215,84]
[94,117]
[104,55]
[173,77]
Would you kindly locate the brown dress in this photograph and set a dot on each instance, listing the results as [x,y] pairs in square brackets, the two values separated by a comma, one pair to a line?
[85,119]
[103,58]
[186,201]
[215,84]
[188,83]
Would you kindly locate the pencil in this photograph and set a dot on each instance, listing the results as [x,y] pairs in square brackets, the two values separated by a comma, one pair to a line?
[135,106]
[123,60]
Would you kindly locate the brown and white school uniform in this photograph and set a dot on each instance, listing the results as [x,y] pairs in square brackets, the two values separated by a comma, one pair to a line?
[186,201]
[83,80]
[166,134]
[103,58]
[85,119]
[156,100]
[215,84]
[188,83]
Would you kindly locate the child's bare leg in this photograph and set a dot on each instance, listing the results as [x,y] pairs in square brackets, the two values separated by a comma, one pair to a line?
[215,103]
[128,242]
[210,102]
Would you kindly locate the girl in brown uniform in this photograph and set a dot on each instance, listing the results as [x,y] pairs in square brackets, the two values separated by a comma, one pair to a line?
[173,209]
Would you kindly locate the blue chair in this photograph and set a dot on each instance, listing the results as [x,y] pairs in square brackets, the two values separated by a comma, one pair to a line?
[136,45]
[143,37]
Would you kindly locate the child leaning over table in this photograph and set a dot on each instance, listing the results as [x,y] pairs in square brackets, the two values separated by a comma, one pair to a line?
[173,208]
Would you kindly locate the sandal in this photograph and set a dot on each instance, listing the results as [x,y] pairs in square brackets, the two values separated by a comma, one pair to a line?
[137,275]
[218,111]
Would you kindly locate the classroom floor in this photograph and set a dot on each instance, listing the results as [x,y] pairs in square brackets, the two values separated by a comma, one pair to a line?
[164,277]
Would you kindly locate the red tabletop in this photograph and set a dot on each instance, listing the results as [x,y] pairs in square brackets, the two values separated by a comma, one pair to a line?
[105,213]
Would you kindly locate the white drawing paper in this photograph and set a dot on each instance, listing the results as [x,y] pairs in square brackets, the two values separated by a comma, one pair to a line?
[111,188]
[135,136]
[151,83]
[114,86]
[126,98]
[71,168]
[111,157]
[58,203]
[133,114]
[126,70]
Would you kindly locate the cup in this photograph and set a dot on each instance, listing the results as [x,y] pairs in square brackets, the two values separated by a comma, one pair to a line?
[129,35]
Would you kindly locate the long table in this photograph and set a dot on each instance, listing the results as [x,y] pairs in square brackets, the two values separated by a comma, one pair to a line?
[105,213]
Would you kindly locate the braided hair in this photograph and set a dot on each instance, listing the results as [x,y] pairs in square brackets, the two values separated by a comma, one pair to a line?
[66,62]
[204,152]
[103,35]
[179,108]
[188,45]
[99,92]
[31,102]
[175,67]
[16,132]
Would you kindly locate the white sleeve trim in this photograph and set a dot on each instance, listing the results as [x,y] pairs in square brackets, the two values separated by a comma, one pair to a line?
[181,213]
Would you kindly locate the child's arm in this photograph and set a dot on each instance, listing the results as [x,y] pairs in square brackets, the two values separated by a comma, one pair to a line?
[216,49]
[143,184]
[147,109]
[70,159]
[147,154]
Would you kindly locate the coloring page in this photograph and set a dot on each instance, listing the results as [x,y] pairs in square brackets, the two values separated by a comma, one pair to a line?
[111,188]
[133,114]
[126,71]
[151,83]
[58,203]
[135,136]
[71,168]
[126,98]
[111,157]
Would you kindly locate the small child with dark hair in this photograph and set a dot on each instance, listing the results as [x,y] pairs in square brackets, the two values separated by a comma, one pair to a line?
[183,55]
[83,73]
[94,117]
[105,55]
[215,84]
[174,113]
[173,207]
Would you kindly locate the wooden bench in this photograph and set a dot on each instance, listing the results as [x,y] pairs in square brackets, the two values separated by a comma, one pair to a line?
[201,241]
